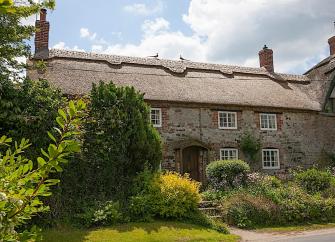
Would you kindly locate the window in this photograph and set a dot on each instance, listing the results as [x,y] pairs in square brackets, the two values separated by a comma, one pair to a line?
[270,159]
[268,121]
[228,154]
[227,120]
[156,117]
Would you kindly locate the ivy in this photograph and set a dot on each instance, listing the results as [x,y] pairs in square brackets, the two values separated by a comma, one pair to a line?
[250,146]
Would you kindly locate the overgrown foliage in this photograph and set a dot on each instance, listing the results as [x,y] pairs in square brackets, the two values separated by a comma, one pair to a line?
[268,201]
[118,143]
[314,180]
[250,146]
[22,184]
[227,174]
[119,140]
[28,109]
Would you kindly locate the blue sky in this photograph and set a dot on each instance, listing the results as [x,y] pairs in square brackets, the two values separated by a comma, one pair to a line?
[219,31]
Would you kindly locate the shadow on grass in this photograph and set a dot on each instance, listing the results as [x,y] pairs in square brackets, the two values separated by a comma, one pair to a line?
[66,234]
[156,226]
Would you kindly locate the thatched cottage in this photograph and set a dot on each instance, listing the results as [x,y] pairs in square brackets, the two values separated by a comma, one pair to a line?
[204,111]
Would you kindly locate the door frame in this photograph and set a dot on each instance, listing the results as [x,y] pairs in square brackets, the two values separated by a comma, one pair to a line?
[201,165]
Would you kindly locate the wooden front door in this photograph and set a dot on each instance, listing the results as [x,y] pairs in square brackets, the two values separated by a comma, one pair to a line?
[190,163]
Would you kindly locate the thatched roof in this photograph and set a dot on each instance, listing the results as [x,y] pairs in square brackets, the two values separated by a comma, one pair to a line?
[183,81]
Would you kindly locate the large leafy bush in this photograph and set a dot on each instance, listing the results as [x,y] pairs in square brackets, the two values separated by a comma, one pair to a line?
[314,180]
[227,174]
[168,195]
[118,143]
[28,109]
[22,184]
[119,140]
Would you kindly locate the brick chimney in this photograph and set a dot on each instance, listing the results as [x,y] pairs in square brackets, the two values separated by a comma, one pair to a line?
[331,42]
[266,59]
[42,33]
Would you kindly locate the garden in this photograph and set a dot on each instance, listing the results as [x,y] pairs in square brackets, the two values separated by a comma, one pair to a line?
[87,168]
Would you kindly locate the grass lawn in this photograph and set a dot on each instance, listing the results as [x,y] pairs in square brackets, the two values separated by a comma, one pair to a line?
[297,228]
[139,232]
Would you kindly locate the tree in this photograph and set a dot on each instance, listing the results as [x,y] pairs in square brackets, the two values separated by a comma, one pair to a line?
[25,106]
[22,184]
[119,142]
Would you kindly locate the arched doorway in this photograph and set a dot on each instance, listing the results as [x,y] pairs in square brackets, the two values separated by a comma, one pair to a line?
[194,159]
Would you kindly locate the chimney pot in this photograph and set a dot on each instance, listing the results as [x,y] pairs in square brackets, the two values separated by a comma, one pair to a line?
[266,59]
[331,42]
[43,14]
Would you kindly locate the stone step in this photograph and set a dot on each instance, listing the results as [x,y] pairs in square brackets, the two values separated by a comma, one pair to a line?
[213,211]
[205,204]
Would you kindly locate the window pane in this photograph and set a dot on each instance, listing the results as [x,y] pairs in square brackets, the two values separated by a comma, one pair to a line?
[156,117]
[270,158]
[268,121]
[227,119]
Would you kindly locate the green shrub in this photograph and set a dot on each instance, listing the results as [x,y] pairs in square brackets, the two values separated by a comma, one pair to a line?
[119,141]
[23,184]
[109,214]
[265,204]
[245,210]
[168,195]
[227,174]
[313,180]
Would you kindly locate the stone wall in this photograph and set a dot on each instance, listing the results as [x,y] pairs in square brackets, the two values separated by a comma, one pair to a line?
[301,137]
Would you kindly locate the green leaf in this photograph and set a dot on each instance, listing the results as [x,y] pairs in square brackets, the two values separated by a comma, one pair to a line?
[52,181]
[60,122]
[44,153]
[62,114]
[41,161]
[52,137]
[58,168]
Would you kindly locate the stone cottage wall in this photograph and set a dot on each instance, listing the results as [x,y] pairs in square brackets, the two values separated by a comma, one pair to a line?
[302,137]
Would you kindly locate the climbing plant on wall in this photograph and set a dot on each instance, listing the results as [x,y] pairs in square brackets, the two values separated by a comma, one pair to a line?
[250,146]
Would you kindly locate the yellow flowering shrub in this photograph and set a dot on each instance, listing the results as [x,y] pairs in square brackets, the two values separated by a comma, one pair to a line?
[179,195]
[168,195]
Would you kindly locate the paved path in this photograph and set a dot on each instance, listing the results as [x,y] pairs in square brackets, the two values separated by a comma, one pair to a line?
[324,235]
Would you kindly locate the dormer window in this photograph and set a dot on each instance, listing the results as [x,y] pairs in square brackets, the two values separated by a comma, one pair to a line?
[156,117]
[227,120]
[268,121]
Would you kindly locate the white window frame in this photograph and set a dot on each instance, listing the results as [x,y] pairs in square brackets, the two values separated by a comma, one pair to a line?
[160,117]
[270,167]
[228,149]
[268,123]
[227,112]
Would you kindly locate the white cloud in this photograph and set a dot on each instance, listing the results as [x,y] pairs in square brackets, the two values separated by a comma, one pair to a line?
[232,32]
[158,38]
[84,32]
[156,26]
[297,30]
[62,46]
[143,9]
